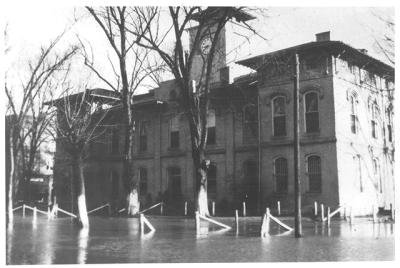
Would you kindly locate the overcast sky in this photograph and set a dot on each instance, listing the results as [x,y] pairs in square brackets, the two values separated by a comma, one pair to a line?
[31,27]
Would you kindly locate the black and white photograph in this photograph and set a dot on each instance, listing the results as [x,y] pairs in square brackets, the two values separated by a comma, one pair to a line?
[234,132]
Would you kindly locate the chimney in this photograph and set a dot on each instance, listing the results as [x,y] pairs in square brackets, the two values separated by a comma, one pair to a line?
[325,36]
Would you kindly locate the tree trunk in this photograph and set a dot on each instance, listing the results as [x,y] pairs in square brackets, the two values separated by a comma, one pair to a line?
[11,179]
[83,219]
[201,167]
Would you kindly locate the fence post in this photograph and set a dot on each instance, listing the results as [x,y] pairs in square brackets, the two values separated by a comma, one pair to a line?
[391,212]
[197,222]
[237,220]
[329,217]
[374,219]
[322,212]
[213,208]
[48,213]
[23,210]
[315,208]
[185,208]
[279,208]
[265,224]
[244,209]
[34,213]
[141,223]
[161,208]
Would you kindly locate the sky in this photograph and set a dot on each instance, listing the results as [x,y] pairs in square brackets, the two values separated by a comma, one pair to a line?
[282,27]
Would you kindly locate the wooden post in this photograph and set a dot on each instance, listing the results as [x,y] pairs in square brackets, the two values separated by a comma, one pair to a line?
[374,216]
[161,208]
[34,213]
[315,209]
[329,217]
[322,212]
[265,224]
[296,145]
[213,208]
[244,209]
[279,208]
[237,219]
[185,208]
[391,212]
[141,223]
[23,211]
[197,222]
[48,213]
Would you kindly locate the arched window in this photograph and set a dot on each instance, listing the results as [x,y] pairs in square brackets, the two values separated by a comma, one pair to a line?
[389,112]
[312,113]
[377,173]
[143,184]
[250,123]
[211,135]
[212,181]
[143,129]
[314,174]
[281,175]
[353,114]
[279,116]
[374,111]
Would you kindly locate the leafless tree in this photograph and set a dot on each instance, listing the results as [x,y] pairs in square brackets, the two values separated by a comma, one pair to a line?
[79,121]
[384,40]
[134,66]
[22,99]
[194,91]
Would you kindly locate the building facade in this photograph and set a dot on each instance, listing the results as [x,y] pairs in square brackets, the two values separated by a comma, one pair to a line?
[346,136]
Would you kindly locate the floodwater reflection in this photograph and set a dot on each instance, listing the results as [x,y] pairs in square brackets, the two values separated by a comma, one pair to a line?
[118,240]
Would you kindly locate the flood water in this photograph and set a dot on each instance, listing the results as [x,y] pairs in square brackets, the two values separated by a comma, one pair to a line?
[118,240]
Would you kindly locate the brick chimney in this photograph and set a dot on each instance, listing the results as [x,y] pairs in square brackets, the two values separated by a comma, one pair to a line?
[325,36]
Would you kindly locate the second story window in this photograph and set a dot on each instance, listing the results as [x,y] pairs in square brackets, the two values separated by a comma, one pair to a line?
[353,114]
[143,128]
[174,132]
[390,124]
[279,116]
[374,121]
[250,124]
[312,113]
[211,135]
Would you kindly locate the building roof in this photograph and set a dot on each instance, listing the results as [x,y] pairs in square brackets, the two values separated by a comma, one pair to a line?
[212,12]
[337,48]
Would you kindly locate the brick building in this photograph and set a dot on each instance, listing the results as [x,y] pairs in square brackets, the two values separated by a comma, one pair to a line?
[346,135]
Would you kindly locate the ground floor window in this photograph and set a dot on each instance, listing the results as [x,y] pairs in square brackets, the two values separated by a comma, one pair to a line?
[314,174]
[281,175]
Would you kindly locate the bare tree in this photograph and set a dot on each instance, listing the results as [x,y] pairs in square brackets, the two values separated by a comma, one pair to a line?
[194,89]
[134,67]
[23,98]
[384,40]
[79,121]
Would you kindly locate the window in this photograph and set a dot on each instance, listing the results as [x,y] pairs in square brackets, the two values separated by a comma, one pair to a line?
[174,132]
[143,128]
[374,120]
[312,114]
[174,181]
[377,175]
[211,135]
[389,125]
[314,174]
[250,123]
[212,181]
[114,141]
[281,175]
[279,116]
[357,165]
[142,181]
[353,114]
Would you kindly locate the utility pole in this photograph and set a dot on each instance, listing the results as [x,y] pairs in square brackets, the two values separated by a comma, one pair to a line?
[297,189]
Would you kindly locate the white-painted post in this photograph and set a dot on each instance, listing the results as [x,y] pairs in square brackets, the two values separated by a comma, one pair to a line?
[34,213]
[197,222]
[244,209]
[48,213]
[237,219]
[161,208]
[265,224]
[213,208]
[141,223]
[322,212]
[23,211]
[185,208]
[374,219]
[315,209]
[279,208]
[329,217]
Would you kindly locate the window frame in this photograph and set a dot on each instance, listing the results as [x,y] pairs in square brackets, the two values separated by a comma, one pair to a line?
[274,116]
[307,113]
[312,173]
[284,175]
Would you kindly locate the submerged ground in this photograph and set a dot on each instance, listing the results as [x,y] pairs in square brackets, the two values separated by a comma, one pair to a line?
[118,240]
